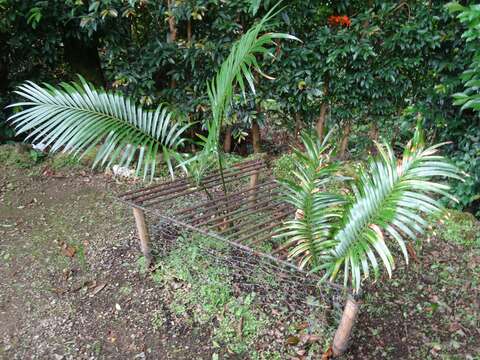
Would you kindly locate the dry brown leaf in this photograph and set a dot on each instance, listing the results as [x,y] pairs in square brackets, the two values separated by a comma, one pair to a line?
[313,338]
[301,352]
[292,340]
[299,214]
[68,250]
[301,326]
[327,355]
[99,287]
[412,253]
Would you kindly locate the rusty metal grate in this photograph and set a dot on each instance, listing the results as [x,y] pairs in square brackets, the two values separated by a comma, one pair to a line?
[247,218]
[247,215]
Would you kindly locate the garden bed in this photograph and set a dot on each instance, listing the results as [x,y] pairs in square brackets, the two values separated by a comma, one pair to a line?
[53,305]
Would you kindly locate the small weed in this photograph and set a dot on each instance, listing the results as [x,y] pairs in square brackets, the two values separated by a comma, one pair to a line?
[126,290]
[97,348]
[267,355]
[142,265]
[239,327]
[80,255]
[37,156]
[158,319]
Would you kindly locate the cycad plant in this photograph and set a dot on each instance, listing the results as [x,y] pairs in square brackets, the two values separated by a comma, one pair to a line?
[76,117]
[235,72]
[353,233]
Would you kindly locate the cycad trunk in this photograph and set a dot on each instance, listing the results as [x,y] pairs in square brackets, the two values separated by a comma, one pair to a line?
[344,330]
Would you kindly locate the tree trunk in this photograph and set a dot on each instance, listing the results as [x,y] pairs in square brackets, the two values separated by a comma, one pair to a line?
[4,53]
[83,58]
[256,137]
[373,134]
[320,125]
[298,125]
[143,236]
[344,141]
[172,26]
[227,141]
[189,31]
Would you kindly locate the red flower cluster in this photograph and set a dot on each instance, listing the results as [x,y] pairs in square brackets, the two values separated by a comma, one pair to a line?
[339,20]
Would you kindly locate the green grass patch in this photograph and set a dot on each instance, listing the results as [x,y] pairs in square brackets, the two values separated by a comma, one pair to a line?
[458,228]
[203,294]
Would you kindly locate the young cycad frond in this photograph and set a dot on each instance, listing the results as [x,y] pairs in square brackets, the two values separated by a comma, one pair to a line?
[235,71]
[76,117]
[316,208]
[390,197]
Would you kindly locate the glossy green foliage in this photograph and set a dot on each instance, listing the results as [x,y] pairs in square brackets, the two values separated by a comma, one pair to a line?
[333,233]
[76,117]
[470,16]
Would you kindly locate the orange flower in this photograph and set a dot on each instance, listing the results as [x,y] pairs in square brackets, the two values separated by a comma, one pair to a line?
[335,20]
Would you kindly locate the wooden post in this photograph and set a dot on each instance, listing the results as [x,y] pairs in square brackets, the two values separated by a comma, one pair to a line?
[143,235]
[253,183]
[344,330]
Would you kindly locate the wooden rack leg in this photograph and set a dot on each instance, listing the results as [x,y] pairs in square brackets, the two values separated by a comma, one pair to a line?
[143,235]
[253,183]
[344,330]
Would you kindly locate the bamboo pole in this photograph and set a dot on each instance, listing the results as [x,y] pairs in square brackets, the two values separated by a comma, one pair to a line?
[143,235]
[344,330]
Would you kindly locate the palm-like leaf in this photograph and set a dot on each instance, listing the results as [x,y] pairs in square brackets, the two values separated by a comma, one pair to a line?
[316,208]
[235,71]
[389,198]
[76,117]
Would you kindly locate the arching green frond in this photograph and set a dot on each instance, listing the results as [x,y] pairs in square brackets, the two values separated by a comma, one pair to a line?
[390,198]
[235,71]
[76,117]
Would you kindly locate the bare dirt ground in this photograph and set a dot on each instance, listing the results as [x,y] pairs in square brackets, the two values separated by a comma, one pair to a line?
[70,286]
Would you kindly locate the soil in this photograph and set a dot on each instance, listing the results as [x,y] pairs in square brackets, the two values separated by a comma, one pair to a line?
[70,285]
[69,281]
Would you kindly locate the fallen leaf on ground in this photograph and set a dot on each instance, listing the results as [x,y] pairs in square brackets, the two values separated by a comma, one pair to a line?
[412,253]
[68,250]
[293,340]
[327,355]
[301,326]
[313,338]
[98,288]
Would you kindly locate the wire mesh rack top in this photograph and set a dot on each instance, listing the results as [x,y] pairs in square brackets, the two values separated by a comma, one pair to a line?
[247,216]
